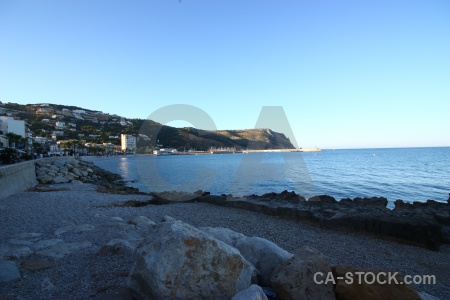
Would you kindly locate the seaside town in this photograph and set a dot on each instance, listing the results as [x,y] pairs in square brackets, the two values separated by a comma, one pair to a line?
[47,130]
[58,132]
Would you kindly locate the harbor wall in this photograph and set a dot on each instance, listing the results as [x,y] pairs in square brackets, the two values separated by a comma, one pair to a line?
[17,177]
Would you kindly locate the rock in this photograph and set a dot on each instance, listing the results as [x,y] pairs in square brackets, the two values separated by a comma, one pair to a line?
[142,221]
[46,284]
[117,246]
[29,236]
[253,292]
[45,179]
[294,279]
[59,179]
[59,162]
[375,201]
[420,226]
[15,242]
[77,172]
[322,199]
[69,177]
[8,271]
[64,229]
[121,294]
[75,228]
[14,251]
[363,290]
[143,225]
[62,249]
[35,265]
[226,235]
[84,173]
[73,175]
[425,296]
[263,254]
[83,228]
[46,244]
[167,219]
[178,261]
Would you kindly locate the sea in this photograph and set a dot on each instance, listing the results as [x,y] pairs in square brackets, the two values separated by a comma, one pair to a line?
[410,174]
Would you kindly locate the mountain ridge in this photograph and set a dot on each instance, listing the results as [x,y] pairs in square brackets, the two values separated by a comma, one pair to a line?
[73,122]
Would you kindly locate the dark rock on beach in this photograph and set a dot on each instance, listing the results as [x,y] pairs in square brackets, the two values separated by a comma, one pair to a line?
[421,224]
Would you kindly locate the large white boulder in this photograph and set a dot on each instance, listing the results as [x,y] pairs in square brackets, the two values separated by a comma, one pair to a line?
[226,235]
[263,254]
[294,279]
[253,292]
[178,261]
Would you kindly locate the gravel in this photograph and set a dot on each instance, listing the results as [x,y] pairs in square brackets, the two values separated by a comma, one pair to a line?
[82,274]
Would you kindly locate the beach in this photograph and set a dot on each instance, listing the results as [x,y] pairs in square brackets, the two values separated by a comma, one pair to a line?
[82,220]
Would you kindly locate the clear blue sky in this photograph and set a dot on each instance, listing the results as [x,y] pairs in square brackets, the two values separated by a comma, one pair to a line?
[349,74]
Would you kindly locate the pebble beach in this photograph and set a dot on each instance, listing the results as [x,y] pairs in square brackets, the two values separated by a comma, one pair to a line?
[81,218]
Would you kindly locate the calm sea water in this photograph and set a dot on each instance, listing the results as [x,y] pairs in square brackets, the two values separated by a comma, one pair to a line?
[410,174]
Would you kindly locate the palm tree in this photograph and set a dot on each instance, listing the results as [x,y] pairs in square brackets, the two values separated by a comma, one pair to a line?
[12,139]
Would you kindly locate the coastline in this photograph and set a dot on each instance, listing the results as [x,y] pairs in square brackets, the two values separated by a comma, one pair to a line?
[83,215]
[77,213]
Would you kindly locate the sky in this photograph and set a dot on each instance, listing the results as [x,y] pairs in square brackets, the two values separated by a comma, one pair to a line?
[348,74]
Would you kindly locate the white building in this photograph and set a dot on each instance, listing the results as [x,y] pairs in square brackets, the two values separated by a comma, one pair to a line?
[128,142]
[60,125]
[109,148]
[10,125]
[40,139]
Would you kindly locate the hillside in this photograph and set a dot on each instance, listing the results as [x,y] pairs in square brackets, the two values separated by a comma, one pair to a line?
[71,122]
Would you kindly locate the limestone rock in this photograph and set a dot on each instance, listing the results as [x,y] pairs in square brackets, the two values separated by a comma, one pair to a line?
[35,265]
[69,177]
[294,279]
[425,296]
[226,235]
[59,179]
[141,221]
[62,249]
[178,261]
[363,290]
[253,292]
[8,271]
[45,179]
[14,251]
[44,244]
[263,254]
[77,172]
[115,246]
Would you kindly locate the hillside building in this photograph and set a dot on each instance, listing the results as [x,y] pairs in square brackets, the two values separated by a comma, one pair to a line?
[128,142]
[10,125]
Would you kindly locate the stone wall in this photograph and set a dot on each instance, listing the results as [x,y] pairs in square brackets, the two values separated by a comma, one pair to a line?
[16,178]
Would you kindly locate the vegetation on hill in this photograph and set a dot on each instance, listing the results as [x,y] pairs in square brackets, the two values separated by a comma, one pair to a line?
[98,127]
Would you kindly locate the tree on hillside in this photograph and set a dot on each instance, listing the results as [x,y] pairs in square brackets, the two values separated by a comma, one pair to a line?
[13,139]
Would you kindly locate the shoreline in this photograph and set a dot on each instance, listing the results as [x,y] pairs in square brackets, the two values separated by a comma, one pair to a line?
[422,224]
[321,187]
[79,215]
[83,216]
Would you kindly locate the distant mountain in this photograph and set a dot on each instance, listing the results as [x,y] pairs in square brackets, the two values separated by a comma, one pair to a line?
[71,122]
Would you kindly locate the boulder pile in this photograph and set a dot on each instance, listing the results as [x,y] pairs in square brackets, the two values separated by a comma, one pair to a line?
[70,169]
[174,260]
[64,170]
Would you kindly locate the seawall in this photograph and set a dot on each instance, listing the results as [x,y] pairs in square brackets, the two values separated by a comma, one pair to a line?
[17,177]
